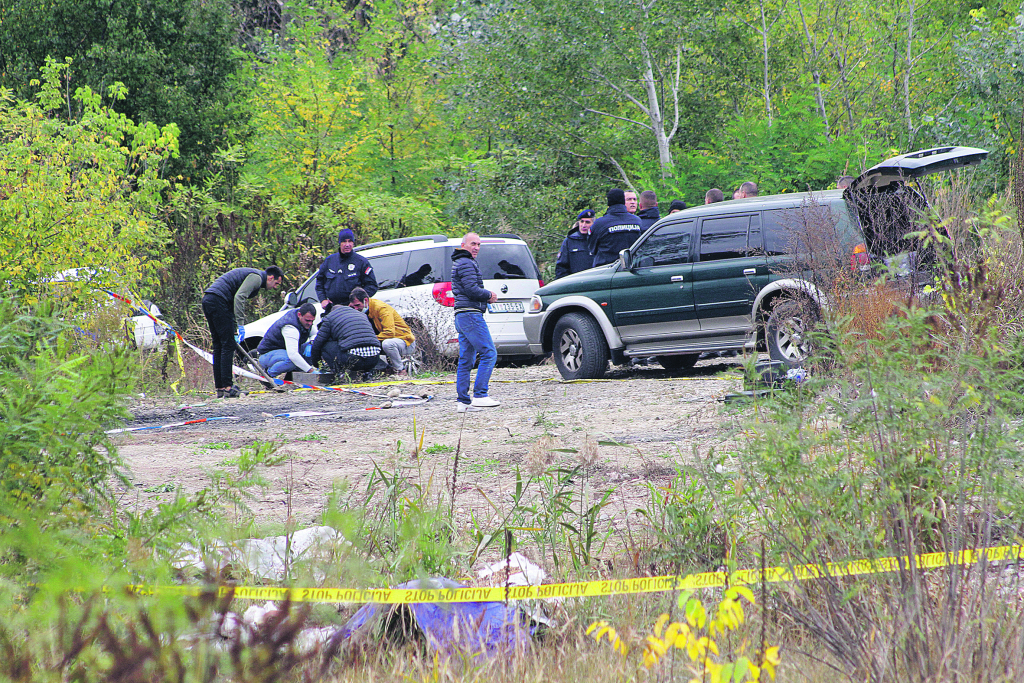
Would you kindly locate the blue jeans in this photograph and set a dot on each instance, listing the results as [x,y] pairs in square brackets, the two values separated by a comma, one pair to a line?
[474,339]
[275,362]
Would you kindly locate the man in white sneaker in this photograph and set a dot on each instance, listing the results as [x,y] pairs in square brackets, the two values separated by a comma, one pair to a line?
[471,301]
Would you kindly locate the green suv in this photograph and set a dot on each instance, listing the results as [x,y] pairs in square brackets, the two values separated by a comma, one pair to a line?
[725,276]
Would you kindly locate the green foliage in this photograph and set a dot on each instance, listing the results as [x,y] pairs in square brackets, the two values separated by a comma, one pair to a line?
[78,194]
[175,59]
[54,405]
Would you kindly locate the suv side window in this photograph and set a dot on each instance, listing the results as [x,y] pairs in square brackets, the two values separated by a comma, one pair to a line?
[507,262]
[723,238]
[782,228]
[666,246]
[388,269]
[426,266]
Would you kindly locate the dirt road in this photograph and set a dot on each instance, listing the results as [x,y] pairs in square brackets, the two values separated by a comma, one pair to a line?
[658,418]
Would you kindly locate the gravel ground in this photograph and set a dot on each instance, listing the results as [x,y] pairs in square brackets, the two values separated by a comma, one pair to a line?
[660,420]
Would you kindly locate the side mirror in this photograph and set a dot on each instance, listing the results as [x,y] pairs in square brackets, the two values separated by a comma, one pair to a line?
[624,259]
[292,300]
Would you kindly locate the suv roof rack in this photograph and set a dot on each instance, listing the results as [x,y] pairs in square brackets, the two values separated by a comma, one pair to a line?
[403,240]
[505,235]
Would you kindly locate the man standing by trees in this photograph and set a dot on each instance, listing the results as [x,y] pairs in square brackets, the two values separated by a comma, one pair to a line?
[343,271]
[630,201]
[224,308]
[574,256]
[616,230]
[649,213]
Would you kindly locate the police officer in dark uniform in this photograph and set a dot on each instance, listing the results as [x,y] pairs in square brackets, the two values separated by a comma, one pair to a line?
[616,230]
[574,256]
[343,271]
[224,308]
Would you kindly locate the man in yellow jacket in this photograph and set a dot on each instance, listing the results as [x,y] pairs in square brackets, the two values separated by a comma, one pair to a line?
[396,339]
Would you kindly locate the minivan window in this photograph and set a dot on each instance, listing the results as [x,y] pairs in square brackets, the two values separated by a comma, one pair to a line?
[668,245]
[507,262]
[723,238]
[426,266]
[388,269]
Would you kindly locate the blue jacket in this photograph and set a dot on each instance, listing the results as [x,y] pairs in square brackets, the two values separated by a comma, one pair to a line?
[340,273]
[616,230]
[574,255]
[273,339]
[467,282]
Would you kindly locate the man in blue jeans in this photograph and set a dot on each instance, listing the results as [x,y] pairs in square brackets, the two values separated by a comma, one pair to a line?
[471,301]
[281,347]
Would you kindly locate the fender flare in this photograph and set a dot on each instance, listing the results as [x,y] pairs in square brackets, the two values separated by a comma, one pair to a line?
[611,335]
[791,286]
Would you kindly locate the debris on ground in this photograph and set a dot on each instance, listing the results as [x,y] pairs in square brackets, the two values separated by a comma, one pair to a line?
[447,628]
[264,558]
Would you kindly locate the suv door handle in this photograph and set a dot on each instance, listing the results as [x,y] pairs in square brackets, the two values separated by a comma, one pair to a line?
[678,278]
[750,271]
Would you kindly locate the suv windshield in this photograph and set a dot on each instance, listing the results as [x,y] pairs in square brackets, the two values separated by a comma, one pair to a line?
[507,262]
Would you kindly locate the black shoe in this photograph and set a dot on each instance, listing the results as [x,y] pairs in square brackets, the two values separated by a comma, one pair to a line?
[220,393]
[233,392]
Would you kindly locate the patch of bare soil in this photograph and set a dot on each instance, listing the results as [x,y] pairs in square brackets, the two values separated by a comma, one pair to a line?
[660,419]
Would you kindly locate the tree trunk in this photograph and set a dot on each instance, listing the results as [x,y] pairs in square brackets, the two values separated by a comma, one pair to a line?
[654,112]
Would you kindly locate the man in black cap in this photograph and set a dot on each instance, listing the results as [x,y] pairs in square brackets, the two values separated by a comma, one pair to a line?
[573,256]
[224,308]
[676,205]
[616,230]
[343,271]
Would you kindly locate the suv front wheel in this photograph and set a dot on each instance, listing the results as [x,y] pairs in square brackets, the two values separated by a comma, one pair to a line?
[787,331]
[579,347]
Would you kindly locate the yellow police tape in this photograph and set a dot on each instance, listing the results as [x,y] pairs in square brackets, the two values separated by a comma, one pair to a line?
[581,589]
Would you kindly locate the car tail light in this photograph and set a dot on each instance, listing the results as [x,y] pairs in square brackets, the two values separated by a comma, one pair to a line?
[859,259]
[541,281]
[442,292]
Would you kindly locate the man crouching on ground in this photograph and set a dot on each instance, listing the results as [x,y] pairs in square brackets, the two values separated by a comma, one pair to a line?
[395,336]
[471,301]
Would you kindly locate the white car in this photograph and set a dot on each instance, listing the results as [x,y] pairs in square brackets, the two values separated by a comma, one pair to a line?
[139,328]
[414,277]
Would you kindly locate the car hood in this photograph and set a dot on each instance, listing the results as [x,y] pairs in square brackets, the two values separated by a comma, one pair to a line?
[916,165]
[584,281]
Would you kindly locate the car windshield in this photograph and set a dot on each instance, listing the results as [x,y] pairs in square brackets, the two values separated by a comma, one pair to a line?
[507,262]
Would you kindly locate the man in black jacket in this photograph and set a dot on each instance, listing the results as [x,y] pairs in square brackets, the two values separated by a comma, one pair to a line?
[224,308]
[574,256]
[649,213]
[471,301]
[343,271]
[346,341]
[616,230]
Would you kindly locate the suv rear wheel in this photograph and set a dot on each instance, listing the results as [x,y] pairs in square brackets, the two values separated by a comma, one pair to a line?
[787,331]
[579,347]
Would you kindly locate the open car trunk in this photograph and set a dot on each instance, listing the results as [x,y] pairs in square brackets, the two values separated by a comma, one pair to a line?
[887,205]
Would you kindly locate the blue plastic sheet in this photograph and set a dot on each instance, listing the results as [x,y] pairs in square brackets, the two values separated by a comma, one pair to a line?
[457,627]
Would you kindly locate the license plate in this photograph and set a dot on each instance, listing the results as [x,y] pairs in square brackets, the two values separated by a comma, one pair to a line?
[506,307]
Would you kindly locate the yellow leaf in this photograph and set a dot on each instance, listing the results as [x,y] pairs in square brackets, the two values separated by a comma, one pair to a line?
[660,624]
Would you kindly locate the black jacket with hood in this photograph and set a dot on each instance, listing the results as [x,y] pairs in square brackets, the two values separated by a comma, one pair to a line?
[616,230]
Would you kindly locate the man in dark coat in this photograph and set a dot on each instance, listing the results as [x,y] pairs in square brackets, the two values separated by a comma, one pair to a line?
[343,271]
[649,213]
[471,301]
[616,230]
[224,308]
[573,256]
[346,341]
